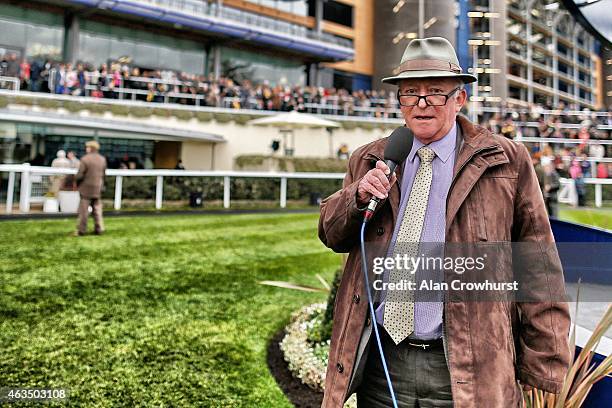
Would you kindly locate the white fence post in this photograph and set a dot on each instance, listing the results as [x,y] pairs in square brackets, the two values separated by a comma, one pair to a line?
[159,191]
[118,187]
[283,192]
[226,192]
[10,192]
[598,195]
[26,187]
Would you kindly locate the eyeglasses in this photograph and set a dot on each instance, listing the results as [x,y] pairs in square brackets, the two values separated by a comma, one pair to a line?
[430,100]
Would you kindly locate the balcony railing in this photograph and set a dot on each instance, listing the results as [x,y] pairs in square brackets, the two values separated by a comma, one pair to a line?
[196,7]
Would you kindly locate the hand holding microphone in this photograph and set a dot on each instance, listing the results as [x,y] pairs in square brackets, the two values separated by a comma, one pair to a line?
[377,182]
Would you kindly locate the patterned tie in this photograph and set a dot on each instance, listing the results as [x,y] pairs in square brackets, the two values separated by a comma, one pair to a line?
[398,317]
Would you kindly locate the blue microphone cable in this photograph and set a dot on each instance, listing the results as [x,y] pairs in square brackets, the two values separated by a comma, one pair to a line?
[372,313]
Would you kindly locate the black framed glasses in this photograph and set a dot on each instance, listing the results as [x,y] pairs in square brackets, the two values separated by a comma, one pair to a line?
[430,100]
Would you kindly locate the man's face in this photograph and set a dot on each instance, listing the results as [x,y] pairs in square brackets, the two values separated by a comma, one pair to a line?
[431,123]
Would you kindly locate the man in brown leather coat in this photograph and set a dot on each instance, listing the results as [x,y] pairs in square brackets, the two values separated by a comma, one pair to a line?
[479,187]
[90,181]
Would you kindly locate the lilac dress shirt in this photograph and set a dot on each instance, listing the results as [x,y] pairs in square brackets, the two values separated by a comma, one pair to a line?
[427,315]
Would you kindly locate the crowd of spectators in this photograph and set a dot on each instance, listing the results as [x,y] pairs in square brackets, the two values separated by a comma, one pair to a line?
[121,80]
[114,79]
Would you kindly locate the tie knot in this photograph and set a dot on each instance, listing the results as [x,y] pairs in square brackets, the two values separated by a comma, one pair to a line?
[426,154]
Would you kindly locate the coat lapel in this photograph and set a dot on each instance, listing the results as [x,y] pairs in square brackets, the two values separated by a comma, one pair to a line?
[470,164]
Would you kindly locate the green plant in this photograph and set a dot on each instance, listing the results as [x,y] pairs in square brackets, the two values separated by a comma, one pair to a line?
[24,100]
[581,376]
[349,124]
[97,107]
[182,114]
[204,116]
[249,160]
[49,103]
[223,117]
[119,110]
[242,119]
[73,106]
[140,111]
[161,112]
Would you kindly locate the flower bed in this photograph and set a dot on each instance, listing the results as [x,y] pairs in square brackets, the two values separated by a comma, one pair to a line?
[307,359]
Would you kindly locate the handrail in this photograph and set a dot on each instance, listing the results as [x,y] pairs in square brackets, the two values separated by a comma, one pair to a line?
[27,171]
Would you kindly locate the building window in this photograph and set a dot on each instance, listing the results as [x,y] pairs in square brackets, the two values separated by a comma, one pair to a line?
[31,33]
[99,43]
[240,65]
[299,7]
[334,11]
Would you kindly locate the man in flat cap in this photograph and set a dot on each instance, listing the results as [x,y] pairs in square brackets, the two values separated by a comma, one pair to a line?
[459,184]
[90,181]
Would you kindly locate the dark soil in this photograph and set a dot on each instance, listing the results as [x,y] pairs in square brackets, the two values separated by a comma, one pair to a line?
[299,394]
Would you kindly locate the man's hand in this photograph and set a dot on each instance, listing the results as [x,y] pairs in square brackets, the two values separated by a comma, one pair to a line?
[375,183]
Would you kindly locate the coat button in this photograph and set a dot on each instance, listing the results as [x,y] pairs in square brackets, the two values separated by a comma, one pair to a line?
[380,231]
[340,367]
[356,299]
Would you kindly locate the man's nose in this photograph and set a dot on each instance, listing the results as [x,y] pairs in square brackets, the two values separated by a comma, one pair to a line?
[422,103]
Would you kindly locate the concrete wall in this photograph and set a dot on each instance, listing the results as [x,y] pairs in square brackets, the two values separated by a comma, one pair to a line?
[243,140]
[246,139]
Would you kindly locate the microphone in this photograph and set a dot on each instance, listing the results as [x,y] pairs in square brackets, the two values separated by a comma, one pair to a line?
[398,146]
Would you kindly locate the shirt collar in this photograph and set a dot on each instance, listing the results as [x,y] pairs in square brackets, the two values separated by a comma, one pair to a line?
[443,148]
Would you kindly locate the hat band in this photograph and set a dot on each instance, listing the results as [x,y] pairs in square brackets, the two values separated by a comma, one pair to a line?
[429,65]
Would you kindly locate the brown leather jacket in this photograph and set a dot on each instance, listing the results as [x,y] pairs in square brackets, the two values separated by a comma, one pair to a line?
[494,196]
[90,177]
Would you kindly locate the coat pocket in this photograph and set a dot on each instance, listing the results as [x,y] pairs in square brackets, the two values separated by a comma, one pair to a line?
[477,214]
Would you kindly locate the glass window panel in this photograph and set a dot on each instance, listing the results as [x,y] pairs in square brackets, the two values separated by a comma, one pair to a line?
[93,49]
[12,33]
[39,33]
[121,48]
[192,62]
[146,55]
[146,50]
[44,41]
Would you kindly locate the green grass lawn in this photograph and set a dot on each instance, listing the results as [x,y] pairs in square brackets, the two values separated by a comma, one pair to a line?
[598,217]
[160,311]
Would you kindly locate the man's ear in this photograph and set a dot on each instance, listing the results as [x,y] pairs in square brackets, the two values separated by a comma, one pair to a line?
[461,99]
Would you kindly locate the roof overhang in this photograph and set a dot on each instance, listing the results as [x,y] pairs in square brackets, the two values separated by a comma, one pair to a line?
[97,127]
[594,16]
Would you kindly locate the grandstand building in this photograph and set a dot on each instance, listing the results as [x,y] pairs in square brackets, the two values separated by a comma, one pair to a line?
[532,51]
[166,58]
[523,51]
[279,42]
[284,42]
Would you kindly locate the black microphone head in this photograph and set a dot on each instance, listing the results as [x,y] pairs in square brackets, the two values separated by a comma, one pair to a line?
[399,145]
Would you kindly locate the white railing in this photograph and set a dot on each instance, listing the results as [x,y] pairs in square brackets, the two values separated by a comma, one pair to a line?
[27,171]
[10,83]
[569,195]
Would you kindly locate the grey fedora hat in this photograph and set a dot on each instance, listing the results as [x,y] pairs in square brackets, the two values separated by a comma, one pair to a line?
[432,57]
